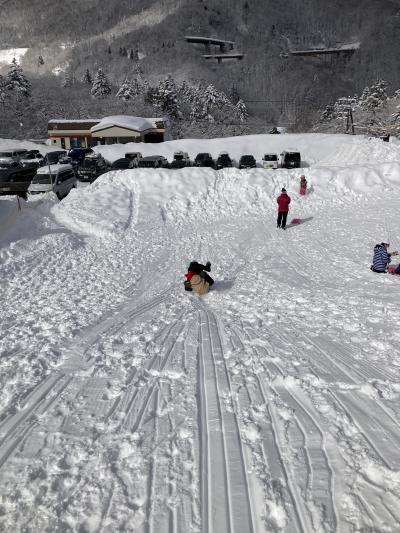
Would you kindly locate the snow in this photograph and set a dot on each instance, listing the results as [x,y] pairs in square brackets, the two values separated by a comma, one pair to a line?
[126,121]
[8,54]
[270,404]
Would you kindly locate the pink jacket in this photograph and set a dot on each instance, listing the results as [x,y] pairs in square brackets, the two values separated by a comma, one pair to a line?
[283,203]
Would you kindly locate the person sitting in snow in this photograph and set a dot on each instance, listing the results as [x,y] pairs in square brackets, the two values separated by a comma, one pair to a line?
[197,279]
[381,258]
[303,185]
[283,208]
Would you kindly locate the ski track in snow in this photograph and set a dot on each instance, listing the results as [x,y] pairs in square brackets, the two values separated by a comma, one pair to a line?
[269,405]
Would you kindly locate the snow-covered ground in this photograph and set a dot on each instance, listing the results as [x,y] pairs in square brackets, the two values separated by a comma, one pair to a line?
[8,54]
[272,404]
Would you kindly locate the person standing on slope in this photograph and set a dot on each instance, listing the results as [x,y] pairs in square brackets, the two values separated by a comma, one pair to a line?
[283,201]
[381,258]
[303,185]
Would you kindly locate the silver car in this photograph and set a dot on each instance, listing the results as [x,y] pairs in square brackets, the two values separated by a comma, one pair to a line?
[57,178]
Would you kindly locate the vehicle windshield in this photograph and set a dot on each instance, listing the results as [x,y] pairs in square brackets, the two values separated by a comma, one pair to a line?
[88,164]
[178,157]
[43,178]
[292,156]
[225,156]
[121,164]
[6,154]
[270,157]
[247,158]
[52,157]
[203,156]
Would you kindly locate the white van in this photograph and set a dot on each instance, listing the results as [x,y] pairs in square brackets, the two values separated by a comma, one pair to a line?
[57,178]
[270,161]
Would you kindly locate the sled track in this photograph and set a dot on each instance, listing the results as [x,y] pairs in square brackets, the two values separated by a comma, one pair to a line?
[225,492]
[16,428]
[309,474]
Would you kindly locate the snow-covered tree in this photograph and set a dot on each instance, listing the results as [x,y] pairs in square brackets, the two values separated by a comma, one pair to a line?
[101,87]
[374,96]
[128,90]
[87,77]
[168,97]
[241,111]
[16,80]
[3,92]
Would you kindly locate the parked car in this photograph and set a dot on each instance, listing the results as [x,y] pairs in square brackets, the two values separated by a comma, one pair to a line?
[270,161]
[12,154]
[16,178]
[123,164]
[52,158]
[135,156]
[223,160]
[57,178]
[290,159]
[32,156]
[153,161]
[204,159]
[247,161]
[79,154]
[91,168]
[180,160]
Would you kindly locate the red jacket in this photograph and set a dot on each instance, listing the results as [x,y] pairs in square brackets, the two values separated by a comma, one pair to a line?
[283,203]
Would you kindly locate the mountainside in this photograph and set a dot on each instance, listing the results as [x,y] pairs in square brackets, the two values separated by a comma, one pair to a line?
[77,36]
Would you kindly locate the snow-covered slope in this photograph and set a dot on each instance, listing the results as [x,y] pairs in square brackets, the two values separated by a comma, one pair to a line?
[269,405]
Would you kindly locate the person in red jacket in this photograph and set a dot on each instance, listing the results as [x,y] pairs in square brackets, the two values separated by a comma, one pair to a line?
[283,208]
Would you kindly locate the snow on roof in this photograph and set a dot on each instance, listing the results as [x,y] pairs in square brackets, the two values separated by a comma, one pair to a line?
[128,122]
[80,120]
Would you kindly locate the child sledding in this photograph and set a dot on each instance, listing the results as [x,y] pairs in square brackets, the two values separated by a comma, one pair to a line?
[197,279]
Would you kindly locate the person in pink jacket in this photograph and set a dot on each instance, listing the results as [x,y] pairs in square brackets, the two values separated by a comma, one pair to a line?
[283,201]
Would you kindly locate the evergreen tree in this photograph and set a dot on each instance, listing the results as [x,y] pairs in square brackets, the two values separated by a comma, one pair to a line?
[17,81]
[128,90]
[3,92]
[87,77]
[168,97]
[374,96]
[241,111]
[101,87]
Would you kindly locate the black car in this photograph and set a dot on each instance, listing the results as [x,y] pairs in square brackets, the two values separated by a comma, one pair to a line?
[224,161]
[180,160]
[79,154]
[92,168]
[247,161]
[16,178]
[52,158]
[290,159]
[153,161]
[123,163]
[204,160]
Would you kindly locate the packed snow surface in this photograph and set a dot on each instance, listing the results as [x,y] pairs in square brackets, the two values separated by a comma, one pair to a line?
[271,404]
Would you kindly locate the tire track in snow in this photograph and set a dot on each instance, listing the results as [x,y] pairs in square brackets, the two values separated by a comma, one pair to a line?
[225,497]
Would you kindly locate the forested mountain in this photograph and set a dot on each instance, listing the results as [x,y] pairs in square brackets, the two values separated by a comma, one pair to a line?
[85,35]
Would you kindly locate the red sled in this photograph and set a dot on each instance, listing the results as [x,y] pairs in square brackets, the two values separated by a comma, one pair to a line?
[295,221]
[392,270]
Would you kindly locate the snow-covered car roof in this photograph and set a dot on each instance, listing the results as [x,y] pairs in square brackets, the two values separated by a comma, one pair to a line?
[53,168]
